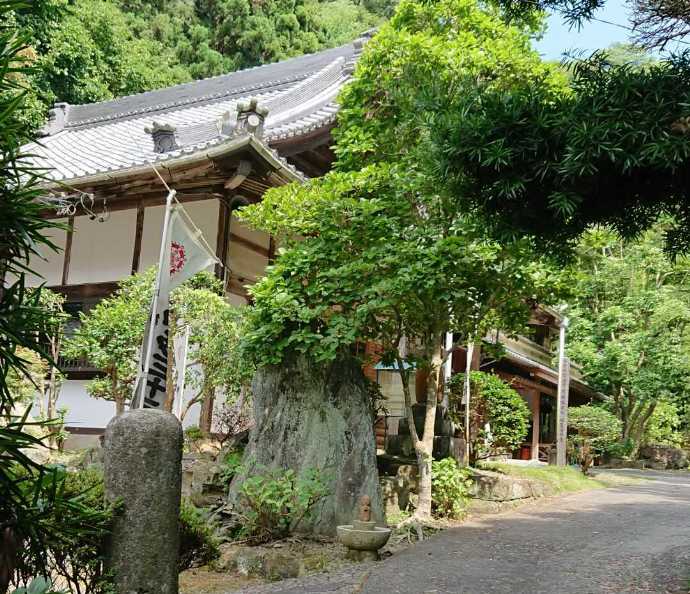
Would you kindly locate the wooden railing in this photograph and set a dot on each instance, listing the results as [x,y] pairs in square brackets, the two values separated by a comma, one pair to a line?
[530,349]
[80,364]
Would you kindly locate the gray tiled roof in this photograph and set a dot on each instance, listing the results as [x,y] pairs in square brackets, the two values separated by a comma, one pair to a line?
[83,142]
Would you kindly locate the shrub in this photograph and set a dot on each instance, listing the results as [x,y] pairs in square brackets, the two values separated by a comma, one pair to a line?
[664,426]
[193,434]
[621,449]
[449,488]
[76,527]
[593,430]
[232,463]
[493,404]
[38,585]
[74,522]
[272,503]
[198,542]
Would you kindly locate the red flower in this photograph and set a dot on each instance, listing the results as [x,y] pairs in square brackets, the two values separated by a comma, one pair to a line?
[178,257]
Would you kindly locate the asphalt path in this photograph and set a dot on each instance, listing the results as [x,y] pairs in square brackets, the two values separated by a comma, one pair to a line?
[631,539]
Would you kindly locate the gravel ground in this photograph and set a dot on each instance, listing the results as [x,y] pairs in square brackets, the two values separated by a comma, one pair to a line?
[632,539]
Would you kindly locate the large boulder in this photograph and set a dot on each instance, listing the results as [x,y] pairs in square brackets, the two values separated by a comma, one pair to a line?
[310,415]
[664,457]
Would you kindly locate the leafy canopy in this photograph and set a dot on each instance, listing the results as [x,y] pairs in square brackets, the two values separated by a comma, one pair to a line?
[379,249]
[379,260]
[630,323]
[612,149]
[594,426]
[216,328]
[110,336]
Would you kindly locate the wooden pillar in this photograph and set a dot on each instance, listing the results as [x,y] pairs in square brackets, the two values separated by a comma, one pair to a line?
[536,406]
[223,238]
[138,234]
[271,250]
[68,250]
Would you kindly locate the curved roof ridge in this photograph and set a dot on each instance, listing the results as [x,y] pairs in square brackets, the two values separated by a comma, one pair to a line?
[239,82]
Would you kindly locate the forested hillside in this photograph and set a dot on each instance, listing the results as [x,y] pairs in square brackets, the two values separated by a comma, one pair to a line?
[91,50]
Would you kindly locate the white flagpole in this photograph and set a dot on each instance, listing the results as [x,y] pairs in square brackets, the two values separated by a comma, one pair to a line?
[163,258]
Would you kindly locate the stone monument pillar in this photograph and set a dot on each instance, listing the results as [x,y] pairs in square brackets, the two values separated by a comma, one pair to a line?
[142,459]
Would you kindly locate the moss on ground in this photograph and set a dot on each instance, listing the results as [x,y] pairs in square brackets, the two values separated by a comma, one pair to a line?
[563,479]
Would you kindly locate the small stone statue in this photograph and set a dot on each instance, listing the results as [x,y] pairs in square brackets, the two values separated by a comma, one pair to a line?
[364,509]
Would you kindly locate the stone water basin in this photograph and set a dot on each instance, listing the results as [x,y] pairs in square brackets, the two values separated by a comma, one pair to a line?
[363,536]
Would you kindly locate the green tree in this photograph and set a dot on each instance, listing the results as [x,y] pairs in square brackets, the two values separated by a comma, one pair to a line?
[110,337]
[665,425]
[609,148]
[384,253]
[23,385]
[499,417]
[91,54]
[593,430]
[215,360]
[630,324]
[54,335]
[111,334]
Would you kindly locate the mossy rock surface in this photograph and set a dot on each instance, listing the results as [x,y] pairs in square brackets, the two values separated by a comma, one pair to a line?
[310,415]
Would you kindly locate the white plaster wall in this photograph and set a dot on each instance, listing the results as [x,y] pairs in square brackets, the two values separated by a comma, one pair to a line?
[102,251]
[151,237]
[83,410]
[47,266]
[204,213]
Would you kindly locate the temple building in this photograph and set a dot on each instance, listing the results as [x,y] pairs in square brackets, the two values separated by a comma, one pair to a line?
[220,143]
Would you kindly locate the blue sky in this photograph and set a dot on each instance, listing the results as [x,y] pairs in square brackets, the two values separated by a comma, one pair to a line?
[593,35]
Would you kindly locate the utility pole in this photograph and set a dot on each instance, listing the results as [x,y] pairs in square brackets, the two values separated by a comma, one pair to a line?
[563,393]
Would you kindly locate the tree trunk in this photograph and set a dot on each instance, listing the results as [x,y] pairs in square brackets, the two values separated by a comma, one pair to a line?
[310,415]
[119,404]
[188,405]
[638,429]
[424,445]
[206,414]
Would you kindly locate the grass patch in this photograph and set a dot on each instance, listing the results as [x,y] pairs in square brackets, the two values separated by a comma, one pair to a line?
[612,479]
[563,479]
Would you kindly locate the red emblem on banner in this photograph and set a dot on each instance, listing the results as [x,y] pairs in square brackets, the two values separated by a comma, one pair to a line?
[178,257]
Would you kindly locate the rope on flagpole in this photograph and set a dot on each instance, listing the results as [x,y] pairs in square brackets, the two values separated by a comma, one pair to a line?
[197,231]
[160,177]
[199,234]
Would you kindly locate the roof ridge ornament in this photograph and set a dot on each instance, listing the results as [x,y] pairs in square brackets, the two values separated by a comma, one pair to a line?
[163,135]
[358,44]
[57,119]
[251,118]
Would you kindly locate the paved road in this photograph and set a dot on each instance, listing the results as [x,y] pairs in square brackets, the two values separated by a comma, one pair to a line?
[633,539]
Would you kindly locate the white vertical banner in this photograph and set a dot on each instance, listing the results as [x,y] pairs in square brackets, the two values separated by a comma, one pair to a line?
[183,254]
[180,349]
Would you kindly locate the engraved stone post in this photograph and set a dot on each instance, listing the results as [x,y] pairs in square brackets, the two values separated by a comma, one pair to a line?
[142,459]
